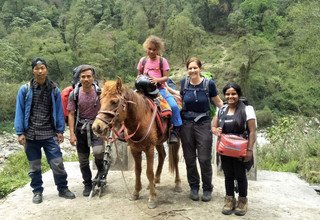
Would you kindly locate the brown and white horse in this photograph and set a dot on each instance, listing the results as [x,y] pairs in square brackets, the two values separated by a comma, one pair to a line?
[122,106]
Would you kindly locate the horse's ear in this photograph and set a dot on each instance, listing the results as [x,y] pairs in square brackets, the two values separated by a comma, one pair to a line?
[119,85]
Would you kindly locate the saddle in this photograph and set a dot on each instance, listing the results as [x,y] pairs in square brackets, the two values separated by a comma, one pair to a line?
[163,112]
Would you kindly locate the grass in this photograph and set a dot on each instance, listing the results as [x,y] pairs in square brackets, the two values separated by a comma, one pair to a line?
[6,126]
[15,173]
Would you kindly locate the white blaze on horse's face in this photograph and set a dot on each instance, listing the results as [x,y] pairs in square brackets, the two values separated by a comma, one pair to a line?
[112,111]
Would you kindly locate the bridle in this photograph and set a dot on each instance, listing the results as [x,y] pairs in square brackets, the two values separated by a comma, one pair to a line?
[114,116]
[113,113]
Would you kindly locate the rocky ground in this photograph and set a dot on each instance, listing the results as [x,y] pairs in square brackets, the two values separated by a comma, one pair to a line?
[274,195]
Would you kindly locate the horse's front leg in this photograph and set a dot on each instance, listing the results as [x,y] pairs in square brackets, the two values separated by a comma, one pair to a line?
[161,157]
[137,170]
[152,203]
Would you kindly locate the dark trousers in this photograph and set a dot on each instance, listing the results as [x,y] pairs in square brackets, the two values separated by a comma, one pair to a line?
[83,151]
[54,158]
[234,169]
[196,141]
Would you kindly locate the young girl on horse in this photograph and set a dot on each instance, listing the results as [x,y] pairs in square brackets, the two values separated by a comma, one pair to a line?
[157,69]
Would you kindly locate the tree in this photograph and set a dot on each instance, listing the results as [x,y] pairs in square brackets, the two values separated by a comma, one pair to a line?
[79,22]
[253,49]
[183,36]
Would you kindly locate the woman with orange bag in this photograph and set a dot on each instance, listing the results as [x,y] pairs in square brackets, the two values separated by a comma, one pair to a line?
[238,119]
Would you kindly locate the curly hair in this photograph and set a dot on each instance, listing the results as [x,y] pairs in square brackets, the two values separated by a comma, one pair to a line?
[157,41]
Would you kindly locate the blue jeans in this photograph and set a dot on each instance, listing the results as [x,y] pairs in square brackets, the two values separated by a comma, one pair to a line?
[176,118]
[54,159]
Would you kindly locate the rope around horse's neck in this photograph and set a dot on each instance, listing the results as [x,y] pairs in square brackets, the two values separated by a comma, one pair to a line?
[149,128]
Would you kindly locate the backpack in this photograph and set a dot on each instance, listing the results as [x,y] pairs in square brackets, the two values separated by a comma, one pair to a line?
[144,61]
[170,82]
[28,85]
[223,111]
[205,88]
[76,84]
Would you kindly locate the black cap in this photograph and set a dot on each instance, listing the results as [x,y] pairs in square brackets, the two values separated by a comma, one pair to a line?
[38,61]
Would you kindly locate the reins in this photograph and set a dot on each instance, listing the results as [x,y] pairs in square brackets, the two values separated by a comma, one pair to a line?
[114,114]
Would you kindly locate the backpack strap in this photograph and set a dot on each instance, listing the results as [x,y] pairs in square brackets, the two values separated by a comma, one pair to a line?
[75,96]
[144,61]
[185,87]
[205,89]
[27,91]
[221,115]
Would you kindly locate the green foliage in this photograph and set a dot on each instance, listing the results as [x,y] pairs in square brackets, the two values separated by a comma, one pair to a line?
[8,96]
[183,34]
[294,147]
[269,47]
[6,127]
[15,173]
[264,117]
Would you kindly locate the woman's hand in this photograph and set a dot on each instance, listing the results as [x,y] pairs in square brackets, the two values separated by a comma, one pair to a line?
[248,156]
[216,131]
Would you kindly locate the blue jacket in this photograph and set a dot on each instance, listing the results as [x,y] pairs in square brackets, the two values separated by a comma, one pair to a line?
[23,108]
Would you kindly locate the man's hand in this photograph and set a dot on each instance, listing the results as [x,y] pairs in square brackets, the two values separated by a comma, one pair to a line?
[73,139]
[60,138]
[22,139]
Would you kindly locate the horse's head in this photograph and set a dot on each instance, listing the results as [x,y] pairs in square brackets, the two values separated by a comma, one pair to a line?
[113,108]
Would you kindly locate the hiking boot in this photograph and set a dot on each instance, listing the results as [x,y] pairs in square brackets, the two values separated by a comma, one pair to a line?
[67,194]
[206,197]
[242,206]
[173,138]
[87,190]
[229,205]
[194,195]
[37,197]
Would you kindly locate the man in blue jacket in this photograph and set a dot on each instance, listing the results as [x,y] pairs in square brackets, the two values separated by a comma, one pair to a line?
[39,123]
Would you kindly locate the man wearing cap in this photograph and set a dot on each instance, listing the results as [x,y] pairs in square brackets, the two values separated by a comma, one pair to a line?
[39,123]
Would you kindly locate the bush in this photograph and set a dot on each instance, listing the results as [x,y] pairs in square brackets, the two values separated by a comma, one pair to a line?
[294,147]
[8,96]
[264,117]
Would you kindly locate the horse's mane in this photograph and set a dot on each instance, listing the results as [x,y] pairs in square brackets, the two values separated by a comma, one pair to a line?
[110,87]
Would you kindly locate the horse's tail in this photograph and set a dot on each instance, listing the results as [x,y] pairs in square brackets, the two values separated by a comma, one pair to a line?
[173,157]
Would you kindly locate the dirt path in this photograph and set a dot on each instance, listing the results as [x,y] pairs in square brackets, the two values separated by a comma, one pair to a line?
[274,196]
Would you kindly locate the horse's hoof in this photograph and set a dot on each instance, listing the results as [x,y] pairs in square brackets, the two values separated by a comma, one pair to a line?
[156,180]
[152,204]
[134,197]
[177,189]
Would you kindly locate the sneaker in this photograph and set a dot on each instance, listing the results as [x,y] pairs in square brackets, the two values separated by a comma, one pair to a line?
[242,206]
[194,195]
[67,194]
[206,197]
[87,190]
[37,197]
[229,205]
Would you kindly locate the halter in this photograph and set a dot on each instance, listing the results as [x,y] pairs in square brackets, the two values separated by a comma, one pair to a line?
[113,113]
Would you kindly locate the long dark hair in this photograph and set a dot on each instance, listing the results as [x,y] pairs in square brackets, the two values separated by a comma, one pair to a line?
[240,107]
